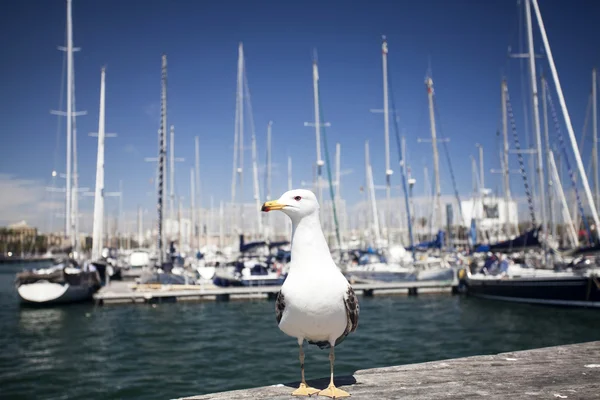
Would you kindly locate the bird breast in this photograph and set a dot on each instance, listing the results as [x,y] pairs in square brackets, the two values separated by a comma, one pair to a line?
[314,310]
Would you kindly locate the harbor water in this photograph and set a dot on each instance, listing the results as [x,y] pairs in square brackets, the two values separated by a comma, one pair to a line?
[179,349]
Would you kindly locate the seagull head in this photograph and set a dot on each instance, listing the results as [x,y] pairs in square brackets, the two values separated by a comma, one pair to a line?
[297,204]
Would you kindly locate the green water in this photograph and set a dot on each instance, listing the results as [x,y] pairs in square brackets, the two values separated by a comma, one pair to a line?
[175,350]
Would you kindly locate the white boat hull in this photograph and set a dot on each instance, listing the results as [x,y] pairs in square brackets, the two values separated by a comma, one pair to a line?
[380,272]
[436,274]
[44,292]
[206,273]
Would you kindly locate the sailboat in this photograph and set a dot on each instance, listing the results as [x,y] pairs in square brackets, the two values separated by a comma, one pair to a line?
[254,264]
[64,282]
[568,285]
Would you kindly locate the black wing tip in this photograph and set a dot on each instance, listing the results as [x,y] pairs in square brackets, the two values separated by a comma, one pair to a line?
[352,309]
[279,306]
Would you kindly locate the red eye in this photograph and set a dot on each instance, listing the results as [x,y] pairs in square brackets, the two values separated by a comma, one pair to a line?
[297,198]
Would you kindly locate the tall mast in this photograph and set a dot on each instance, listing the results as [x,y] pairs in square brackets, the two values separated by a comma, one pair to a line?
[481,170]
[337,182]
[477,201]
[121,221]
[192,208]
[536,124]
[172,174]
[551,222]
[259,226]
[235,162]
[371,193]
[320,162]
[565,111]
[179,230]
[140,227]
[289,187]
[221,220]
[240,99]
[68,210]
[172,160]
[407,184]
[386,130]
[198,192]
[317,124]
[98,223]
[436,162]
[75,184]
[338,157]
[561,194]
[209,227]
[162,155]
[269,160]
[505,169]
[595,131]
[266,215]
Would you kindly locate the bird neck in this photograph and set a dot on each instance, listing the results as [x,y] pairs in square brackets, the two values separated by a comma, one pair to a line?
[308,241]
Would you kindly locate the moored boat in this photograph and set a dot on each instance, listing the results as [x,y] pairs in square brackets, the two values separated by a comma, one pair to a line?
[60,284]
[575,288]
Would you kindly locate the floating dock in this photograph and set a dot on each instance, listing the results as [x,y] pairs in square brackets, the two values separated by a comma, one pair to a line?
[562,372]
[127,292]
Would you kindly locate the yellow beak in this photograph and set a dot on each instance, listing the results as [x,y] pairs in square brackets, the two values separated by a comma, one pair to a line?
[272,205]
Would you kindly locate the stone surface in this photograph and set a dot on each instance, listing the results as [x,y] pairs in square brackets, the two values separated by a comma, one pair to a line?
[562,372]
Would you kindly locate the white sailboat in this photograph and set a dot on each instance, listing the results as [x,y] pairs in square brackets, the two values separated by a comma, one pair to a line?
[372,265]
[64,282]
[518,283]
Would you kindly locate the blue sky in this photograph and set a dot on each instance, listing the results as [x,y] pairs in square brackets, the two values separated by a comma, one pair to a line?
[466,42]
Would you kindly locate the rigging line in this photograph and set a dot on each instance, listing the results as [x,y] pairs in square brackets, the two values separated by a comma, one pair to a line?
[249,105]
[523,80]
[586,120]
[520,157]
[514,31]
[266,173]
[75,195]
[402,162]
[447,153]
[235,151]
[584,132]
[568,164]
[321,127]
[60,104]
[431,207]
[57,139]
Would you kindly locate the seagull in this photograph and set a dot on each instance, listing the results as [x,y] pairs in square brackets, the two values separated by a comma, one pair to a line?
[316,303]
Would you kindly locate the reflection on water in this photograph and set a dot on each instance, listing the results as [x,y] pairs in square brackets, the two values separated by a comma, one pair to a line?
[41,321]
[174,350]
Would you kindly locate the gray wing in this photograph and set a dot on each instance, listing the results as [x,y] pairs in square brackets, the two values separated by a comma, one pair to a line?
[352,310]
[279,306]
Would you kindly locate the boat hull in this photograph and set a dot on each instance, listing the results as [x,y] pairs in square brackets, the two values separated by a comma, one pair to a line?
[48,293]
[436,274]
[266,281]
[380,276]
[563,291]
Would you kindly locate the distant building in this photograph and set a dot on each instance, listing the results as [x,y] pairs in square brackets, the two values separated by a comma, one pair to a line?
[490,212]
[21,228]
[19,232]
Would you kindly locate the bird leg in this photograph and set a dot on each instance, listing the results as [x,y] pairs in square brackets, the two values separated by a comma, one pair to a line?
[331,390]
[304,389]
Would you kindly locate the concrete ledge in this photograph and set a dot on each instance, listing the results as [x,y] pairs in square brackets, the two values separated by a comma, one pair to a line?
[561,372]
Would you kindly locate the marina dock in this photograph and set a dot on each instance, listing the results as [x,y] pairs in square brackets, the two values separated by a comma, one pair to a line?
[561,372]
[127,292]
